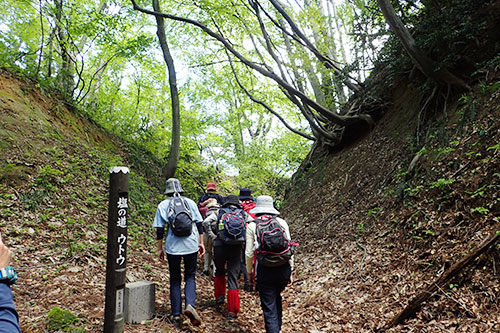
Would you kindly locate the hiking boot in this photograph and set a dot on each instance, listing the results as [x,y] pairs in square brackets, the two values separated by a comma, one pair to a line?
[191,313]
[231,316]
[219,300]
[175,320]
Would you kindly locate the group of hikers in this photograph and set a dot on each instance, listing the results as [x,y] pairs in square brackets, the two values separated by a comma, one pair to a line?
[241,234]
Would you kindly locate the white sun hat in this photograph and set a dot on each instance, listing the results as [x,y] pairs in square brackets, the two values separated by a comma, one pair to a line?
[264,205]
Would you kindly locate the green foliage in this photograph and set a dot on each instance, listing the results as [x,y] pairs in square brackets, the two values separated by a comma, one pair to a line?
[438,152]
[480,210]
[360,227]
[495,148]
[373,211]
[441,183]
[61,320]
[448,32]
[31,200]
[411,192]
[49,177]
[489,89]
[429,232]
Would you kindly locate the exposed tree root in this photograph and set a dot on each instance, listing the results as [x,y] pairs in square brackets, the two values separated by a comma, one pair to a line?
[414,304]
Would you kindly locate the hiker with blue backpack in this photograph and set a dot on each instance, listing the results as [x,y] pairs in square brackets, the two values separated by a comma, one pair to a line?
[269,254]
[184,240]
[228,237]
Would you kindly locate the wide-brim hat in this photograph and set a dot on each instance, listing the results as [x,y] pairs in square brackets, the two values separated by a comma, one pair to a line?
[211,186]
[264,205]
[232,200]
[245,194]
[173,186]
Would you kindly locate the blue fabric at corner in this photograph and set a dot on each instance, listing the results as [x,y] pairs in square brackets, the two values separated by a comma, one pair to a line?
[9,322]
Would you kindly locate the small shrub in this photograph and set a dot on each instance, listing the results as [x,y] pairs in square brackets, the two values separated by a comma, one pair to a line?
[60,320]
[373,211]
[480,210]
[442,183]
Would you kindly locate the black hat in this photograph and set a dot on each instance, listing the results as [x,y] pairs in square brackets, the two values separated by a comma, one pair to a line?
[245,194]
[232,200]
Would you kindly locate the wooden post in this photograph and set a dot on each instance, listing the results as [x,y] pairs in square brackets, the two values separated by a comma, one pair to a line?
[116,260]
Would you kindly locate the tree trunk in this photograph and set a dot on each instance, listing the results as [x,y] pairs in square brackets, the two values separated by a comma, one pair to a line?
[173,156]
[94,92]
[66,72]
[49,55]
[425,64]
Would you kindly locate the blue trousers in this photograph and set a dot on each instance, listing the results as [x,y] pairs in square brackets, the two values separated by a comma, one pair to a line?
[174,265]
[271,281]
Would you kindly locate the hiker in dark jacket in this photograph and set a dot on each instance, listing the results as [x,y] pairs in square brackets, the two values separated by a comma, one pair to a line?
[227,257]
[9,321]
[247,201]
[180,248]
[271,281]
[211,193]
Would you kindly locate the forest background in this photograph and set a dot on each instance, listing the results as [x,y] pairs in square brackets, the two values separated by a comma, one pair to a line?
[105,59]
[247,94]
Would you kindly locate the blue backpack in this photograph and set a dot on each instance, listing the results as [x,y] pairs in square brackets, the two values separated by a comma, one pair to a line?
[179,217]
[232,226]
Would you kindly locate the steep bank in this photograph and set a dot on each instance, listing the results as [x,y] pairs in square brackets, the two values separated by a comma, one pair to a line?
[54,175]
[375,231]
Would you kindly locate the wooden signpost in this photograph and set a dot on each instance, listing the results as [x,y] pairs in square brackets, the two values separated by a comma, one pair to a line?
[116,249]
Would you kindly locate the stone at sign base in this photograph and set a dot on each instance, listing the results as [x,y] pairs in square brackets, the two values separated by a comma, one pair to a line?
[139,301]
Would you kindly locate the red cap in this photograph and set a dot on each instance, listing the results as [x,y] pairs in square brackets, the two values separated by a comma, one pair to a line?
[211,186]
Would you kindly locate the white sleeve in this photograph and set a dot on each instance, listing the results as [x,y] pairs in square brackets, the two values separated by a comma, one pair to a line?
[249,246]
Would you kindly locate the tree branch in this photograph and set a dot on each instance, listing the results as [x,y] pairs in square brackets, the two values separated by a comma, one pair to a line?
[340,120]
[267,107]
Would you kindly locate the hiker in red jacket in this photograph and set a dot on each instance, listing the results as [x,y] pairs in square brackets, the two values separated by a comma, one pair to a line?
[247,201]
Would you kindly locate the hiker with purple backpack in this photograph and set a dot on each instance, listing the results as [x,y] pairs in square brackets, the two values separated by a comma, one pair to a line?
[270,252]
